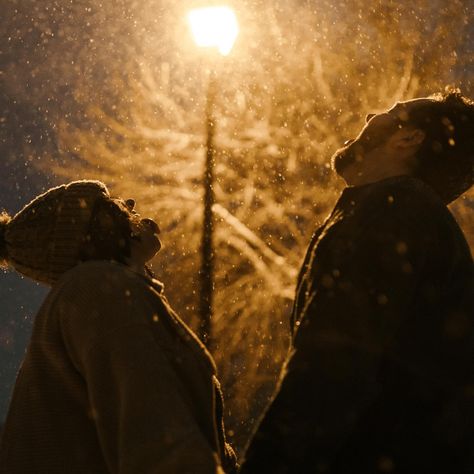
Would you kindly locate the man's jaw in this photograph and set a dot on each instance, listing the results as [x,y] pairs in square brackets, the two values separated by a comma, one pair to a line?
[343,158]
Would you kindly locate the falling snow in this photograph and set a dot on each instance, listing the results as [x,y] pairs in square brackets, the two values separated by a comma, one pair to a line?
[116,91]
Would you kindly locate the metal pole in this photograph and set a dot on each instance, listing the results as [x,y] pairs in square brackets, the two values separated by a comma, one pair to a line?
[207,248]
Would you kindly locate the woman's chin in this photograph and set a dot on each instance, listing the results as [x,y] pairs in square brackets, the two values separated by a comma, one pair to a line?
[156,247]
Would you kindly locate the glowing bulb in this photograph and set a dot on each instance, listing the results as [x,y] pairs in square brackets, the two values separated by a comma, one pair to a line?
[214,27]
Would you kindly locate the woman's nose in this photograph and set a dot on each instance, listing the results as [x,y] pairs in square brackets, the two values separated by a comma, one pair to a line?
[152,224]
[130,203]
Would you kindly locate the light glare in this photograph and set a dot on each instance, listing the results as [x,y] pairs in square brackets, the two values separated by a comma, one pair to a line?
[214,27]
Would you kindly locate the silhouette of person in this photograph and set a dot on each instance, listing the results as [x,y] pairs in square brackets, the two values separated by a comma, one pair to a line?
[379,377]
[113,381]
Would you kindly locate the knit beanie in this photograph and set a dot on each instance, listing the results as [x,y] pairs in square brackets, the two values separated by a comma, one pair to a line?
[44,239]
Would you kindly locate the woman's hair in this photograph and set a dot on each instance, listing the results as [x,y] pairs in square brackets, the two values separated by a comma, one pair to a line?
[109,235]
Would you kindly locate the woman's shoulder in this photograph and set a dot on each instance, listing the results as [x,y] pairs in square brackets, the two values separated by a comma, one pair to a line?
[99,278]
[93,267]
[101,271]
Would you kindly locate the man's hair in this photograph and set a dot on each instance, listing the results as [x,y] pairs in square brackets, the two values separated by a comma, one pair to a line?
[109,235]
[446,157]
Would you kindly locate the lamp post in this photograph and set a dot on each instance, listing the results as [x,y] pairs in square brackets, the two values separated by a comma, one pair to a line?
[215,28]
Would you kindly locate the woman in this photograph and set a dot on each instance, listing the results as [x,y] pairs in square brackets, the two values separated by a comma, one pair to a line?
[112,381]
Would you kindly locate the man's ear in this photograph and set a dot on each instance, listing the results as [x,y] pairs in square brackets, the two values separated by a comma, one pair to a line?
[408,138]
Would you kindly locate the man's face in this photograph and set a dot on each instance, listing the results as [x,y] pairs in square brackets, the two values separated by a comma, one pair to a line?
[371,152]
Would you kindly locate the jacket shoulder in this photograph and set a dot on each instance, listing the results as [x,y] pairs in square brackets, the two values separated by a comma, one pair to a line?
[102,277]
[95,270]
[404,190]
[99,292]
[402,200]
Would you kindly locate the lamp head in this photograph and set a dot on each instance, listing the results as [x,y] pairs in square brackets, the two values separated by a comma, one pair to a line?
[214,27]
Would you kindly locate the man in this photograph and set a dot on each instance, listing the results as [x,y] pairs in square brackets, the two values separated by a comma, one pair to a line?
[380,375]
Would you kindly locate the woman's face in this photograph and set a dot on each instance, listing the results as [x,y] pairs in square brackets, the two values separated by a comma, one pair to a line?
[145,234]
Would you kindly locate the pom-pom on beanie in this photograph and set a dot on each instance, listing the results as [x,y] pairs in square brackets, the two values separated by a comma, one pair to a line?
[44,239]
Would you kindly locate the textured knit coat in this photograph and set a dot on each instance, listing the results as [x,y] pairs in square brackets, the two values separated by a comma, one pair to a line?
[113,382]
[380,377]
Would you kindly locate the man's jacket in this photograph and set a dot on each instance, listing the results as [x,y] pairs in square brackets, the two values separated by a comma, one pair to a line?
[380,376]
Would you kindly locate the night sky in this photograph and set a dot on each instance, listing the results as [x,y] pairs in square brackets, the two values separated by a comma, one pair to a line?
[20,301]
[20,296]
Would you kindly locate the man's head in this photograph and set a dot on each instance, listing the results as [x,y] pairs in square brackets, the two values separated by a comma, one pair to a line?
[429,138]
[75,222]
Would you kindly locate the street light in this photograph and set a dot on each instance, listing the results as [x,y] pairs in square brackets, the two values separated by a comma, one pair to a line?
[216,28]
